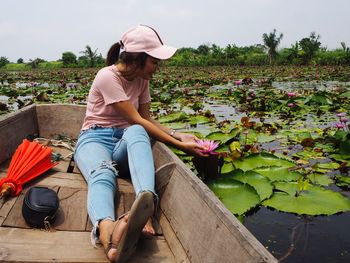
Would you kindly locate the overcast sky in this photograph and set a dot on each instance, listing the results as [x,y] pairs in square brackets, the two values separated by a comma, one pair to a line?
[44,28]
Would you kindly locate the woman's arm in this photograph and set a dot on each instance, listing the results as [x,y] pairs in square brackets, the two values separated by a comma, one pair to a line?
[144,110]
[131,115]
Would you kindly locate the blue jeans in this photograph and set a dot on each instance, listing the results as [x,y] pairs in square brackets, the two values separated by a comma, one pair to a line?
[98,150]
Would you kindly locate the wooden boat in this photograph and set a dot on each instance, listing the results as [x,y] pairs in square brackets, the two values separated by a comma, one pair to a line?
[193,225]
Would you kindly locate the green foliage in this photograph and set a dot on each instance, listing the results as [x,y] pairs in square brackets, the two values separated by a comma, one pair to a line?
[3,61]
[310,45]
[20,61]
[69,58]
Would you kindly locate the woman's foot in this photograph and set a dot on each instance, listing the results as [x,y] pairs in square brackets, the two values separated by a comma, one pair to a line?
[111,233]
[149,229]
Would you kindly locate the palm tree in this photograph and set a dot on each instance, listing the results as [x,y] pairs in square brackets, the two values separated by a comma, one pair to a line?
[90,55]
[271,42]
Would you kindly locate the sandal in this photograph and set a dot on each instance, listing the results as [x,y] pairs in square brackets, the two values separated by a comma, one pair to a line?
[141,210]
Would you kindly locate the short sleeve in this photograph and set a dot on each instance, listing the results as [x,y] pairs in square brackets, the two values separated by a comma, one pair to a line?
[110,87]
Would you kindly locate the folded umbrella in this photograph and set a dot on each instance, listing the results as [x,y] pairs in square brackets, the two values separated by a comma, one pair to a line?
[30,160]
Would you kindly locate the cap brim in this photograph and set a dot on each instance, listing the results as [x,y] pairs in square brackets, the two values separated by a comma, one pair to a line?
[162,52]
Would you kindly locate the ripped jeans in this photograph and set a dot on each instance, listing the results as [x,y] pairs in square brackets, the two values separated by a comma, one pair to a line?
[97,150]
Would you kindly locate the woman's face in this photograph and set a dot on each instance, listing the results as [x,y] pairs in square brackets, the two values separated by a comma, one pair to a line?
[151,66]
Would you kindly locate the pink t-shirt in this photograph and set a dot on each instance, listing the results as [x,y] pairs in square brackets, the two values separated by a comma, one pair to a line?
[109,87]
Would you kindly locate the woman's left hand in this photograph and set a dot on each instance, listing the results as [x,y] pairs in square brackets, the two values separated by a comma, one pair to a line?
[185,137]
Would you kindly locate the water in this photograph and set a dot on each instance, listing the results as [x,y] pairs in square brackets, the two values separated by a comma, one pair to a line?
[315,239]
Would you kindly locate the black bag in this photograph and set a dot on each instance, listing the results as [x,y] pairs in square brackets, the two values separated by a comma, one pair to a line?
[40,206]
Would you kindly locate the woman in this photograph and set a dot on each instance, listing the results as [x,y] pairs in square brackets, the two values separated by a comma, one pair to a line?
[116,130]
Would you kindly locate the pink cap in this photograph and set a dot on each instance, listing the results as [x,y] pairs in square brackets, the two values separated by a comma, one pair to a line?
[143,38]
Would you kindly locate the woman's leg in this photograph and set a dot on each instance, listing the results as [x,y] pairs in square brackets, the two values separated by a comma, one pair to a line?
[94,159]
[134,150]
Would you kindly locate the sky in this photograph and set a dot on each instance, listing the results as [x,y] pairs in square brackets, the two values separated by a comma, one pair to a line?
[45,29]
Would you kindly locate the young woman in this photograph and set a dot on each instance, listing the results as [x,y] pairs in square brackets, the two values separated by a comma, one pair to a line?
[115,139]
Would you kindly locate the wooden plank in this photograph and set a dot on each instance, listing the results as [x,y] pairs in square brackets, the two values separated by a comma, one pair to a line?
[29,245]
[60,119]
[6,208]
[14,217]
[14,127]
[172,240]
[73,211]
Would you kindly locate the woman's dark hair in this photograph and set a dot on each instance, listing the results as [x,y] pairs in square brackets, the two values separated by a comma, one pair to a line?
[128,58]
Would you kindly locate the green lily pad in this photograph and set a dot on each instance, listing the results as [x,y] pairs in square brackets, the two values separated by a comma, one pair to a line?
[236,196]
[221,136]
[256,160]
[342,181]
[313,201]
[260,183]
[172,117]
[278,173]
[320,179]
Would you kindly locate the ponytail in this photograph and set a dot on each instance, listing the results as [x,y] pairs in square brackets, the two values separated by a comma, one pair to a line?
[113,54]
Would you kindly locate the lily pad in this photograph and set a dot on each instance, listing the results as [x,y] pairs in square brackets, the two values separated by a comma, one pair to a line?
[221,136]
[236,196]
[256,160]
[260,183]
[313,201]
[278,173]
[177,116]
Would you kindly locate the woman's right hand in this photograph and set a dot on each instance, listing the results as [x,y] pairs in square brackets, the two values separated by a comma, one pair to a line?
[193,148]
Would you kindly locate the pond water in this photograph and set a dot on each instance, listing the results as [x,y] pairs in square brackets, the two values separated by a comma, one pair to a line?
[289,237]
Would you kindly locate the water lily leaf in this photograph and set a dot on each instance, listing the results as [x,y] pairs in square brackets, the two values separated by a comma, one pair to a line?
[263,138]
[344,147]
[314,201]
[172,117]
[236,196]
[342,181]
[261,160]
[320,179]
[199,119]
[330,165]
[227,167]
[278,173]
[261,184]
[223,137]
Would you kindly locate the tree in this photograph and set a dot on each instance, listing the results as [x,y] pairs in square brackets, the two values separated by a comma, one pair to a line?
[203,50]
[35,63]
[20,61]
[90,55]
[69,58]
[271,42]
[3,61]
[310,45]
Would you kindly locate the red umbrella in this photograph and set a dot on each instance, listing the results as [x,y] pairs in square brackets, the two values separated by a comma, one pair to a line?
[30,160]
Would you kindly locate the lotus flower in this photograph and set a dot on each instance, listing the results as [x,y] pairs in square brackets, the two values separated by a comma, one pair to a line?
[291,94]
[339,125]
[209,146]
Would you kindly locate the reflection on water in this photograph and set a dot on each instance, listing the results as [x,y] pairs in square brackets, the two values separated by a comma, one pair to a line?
[300,239]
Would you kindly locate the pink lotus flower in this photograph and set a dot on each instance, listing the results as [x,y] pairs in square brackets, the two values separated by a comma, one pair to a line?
[343,119]
[341,114]
[238,82]
[209,146]
[339,125]
[291,94]
[291,105]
